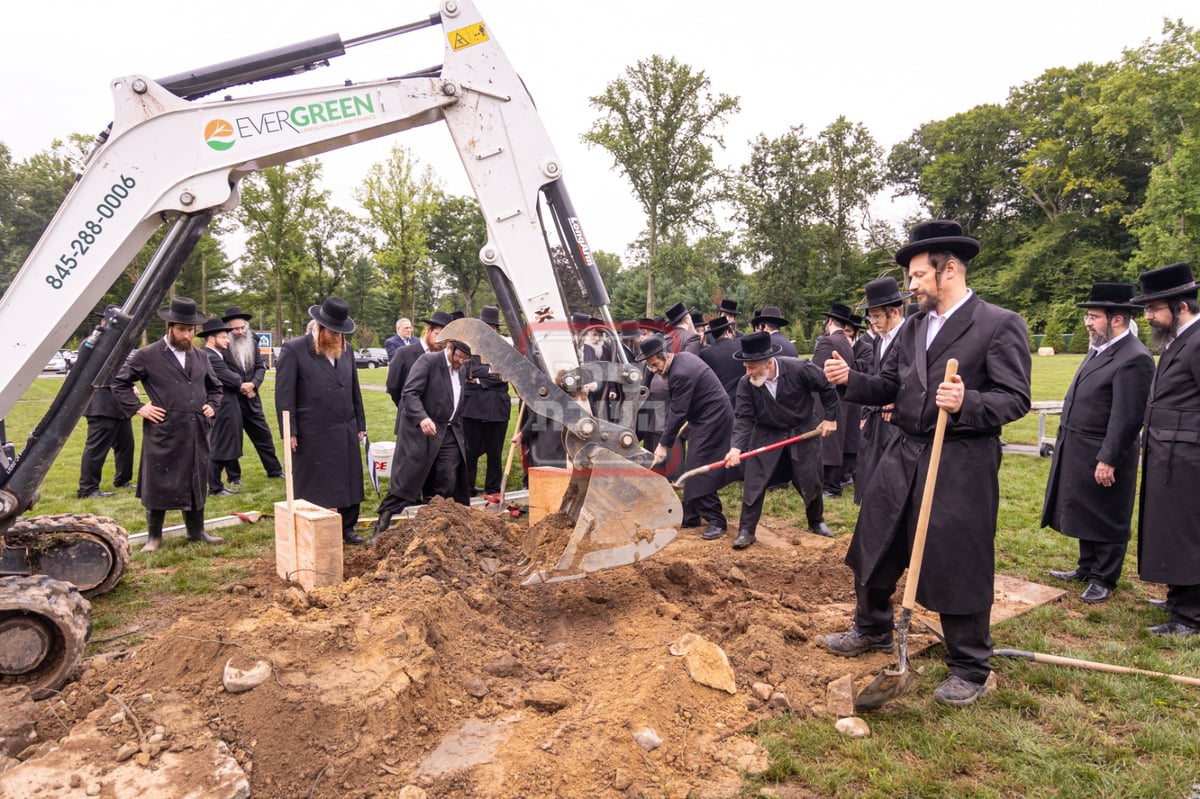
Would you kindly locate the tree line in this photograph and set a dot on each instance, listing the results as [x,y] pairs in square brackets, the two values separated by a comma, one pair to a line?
[1085,173]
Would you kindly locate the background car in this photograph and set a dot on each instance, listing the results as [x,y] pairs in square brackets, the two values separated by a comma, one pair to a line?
[370,357]
[57,364]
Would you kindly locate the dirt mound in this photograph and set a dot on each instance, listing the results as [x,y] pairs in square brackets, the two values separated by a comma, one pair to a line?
[431,666]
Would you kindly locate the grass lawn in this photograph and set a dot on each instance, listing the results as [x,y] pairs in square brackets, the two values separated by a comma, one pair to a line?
[1047,732]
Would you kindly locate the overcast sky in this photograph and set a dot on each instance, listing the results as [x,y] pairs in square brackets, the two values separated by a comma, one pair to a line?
[889,65]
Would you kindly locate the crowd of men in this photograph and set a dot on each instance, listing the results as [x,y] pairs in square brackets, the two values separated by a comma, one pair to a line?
[869,401]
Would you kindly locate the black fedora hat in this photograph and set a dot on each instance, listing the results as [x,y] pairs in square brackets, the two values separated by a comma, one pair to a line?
[840,313]
[727,306]
[1173,280]
[211,327]
[718,326]
[649,347]
[490,315]
[698,320]
[181,311]
[234,312]
[857,321]
[581,321]
[629,329]
[438,319]
[937,235]
[771,315]
[457,313]
[1114,296]
[757,347]
[676,313]
[883,291]
[333,314]
[461,346]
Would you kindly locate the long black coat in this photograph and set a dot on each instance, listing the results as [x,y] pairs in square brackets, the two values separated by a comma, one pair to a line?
[788,348]
[719,357]
[992,348]
[681,340]
[327,416]
[485,395]
[1169,513]
[761,419]
[250,406]
[864,361]
[173,474]
[427,393]
[833,446]
[1101,417]
[698,398]
[876,432]
[226,437]
[398,369]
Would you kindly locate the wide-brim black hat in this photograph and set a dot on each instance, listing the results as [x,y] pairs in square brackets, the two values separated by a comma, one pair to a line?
[1173,280]
[770,315]
[211,327]
[757,347]
[181,311]
[676,313]
[1112,296]
[883,291]
[840,313]
[718,326]
[649,347]
[490,315]
[857,321]
[438,319]
[461,346]
[727,306]
[581,321]
[698,320]
[234,312]
[938,235]
[333,314]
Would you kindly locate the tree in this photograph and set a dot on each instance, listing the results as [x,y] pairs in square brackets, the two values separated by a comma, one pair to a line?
[455,233]
[849,175]
[659,124]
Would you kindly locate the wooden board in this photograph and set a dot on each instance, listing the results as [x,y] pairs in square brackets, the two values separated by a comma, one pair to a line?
[308,544]
[547,485]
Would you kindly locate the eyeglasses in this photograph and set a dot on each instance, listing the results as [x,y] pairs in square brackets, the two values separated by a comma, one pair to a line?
[1094,317]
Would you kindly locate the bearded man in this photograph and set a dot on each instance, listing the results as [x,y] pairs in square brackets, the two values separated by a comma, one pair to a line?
[184,393]
[245,359]
[1168,538]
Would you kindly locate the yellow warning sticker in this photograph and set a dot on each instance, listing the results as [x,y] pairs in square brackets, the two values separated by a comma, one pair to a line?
[466,37]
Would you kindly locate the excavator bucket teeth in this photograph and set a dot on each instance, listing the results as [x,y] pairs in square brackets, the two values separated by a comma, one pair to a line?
[623,513]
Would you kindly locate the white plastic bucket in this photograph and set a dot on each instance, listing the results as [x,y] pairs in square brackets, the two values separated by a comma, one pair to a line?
[381,453]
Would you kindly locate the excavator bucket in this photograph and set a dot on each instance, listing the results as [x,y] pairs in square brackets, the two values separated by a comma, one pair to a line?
[623,513]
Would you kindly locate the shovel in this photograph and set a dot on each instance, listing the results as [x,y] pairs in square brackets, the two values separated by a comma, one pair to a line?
[890,684]
[766,448]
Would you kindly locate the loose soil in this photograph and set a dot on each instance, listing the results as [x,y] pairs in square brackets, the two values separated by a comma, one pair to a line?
[432,666]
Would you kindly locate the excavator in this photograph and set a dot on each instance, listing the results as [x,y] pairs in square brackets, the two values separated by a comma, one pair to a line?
[172,157]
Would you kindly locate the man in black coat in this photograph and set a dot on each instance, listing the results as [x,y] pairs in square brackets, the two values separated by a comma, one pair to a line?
[225,438]
[183,395]
[1093,477]
[727,310]
[770,319]
[1168,544]
[864,361]
[485,412]
[834,339]
[885,310]
[431,435]
[108,427]
[775,403]
[719,356]
[680,330]
[695,396]
[990,390]
[244,357]
[316,382]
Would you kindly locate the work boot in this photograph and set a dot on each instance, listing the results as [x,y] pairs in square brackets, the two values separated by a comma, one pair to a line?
[744,539]
[821,528]
[957,692]
[153,541]
[852,642]
[351,537]
[204,537]
[1174,628]
[382,523]
[713,532]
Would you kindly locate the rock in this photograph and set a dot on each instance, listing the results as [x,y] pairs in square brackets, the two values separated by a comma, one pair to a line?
[477,688]
[412,792]
[780,701]
[708,664]
[549,697]
[75,781]
[680,647]
[503,666]
[647,738]
[126,751]
[18,720]
[237,680]
[853,727]
[737,575]
[117,718]
[1045,351]
[94,789]
[839,697]
[142,759]
[622,780]
[763,690]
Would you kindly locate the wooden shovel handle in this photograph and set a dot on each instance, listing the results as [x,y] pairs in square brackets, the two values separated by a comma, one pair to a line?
[935,459]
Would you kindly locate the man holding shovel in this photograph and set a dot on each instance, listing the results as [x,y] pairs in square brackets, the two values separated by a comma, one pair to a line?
[990,390]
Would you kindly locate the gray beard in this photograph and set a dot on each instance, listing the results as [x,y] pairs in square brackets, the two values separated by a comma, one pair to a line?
[758,381]
[243,349]
[1160,337]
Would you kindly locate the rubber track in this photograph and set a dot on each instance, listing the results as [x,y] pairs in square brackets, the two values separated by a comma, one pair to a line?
[111,534]
[69,616]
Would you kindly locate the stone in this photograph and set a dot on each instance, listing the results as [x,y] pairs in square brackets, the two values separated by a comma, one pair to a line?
[622,780]
[142,759]
[737,575]
[647,738]
[238,681]
[763,690]
[780,701]
[707,664]
[412,792]
[94,789]
[853,727]
[1045,351]
[679,648]
[503,666]
[549,697]
[839,697]
[126,751]
[477,688]
[18,720]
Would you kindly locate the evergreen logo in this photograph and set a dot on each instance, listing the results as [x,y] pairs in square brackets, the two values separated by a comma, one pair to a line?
[218,134]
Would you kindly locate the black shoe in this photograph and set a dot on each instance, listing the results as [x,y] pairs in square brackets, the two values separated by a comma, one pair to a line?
[852,642]
[278,476]
[691,522]
[130,484]
[95,493]
[821,528]
[744,539]
[1072,576]
[957,692]
[235,482]
[382,523]
[222,492]
[712,532]
[1161,604]
[1095,593]
[1174,628]
[831,494]
[350,537]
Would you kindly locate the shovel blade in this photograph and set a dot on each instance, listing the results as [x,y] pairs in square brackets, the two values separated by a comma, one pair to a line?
[886,686]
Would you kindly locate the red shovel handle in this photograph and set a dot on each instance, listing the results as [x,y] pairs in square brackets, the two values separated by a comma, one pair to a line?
[765,448]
